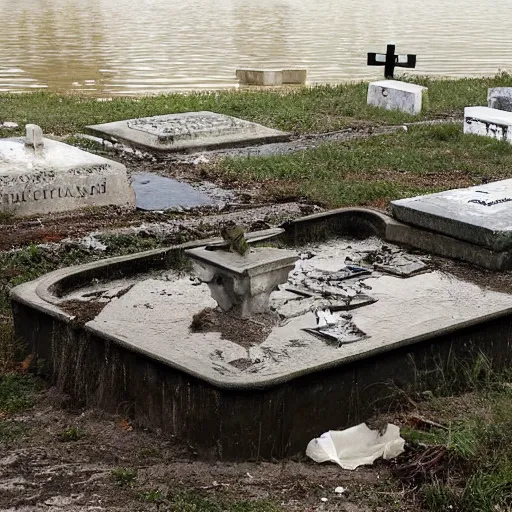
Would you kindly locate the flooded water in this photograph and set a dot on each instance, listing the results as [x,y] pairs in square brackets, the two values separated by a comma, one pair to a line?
[110,47]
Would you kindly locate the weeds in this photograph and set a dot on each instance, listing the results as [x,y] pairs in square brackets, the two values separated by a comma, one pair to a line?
[17,393]
[124,477]
[71,434]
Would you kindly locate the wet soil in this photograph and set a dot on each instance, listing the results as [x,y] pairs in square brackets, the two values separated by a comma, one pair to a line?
[245,332]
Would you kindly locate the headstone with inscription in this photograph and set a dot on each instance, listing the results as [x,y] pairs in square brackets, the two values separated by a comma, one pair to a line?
[39,176]
[189,131]
[481,215]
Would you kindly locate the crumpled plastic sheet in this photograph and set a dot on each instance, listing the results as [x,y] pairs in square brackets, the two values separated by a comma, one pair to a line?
[356,446]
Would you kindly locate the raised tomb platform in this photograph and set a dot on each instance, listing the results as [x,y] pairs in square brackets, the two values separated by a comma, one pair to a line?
[355,311]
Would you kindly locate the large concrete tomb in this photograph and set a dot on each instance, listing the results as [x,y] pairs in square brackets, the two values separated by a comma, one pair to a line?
[191,131]
[55,177]
[481,215]
[396,95]
[489,122]
[500,98]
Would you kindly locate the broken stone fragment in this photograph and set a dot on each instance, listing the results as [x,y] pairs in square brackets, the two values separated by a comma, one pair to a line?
[34,136]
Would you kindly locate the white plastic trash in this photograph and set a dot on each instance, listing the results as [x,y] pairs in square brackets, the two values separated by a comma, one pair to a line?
[356,446]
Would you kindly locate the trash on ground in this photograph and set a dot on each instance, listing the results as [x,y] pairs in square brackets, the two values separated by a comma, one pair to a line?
[356,446]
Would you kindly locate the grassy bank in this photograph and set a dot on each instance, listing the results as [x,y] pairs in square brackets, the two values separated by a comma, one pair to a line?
[317,109]
[374,171]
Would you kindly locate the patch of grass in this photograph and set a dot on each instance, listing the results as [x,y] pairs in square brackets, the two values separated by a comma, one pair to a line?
[374,171]
[308,109]
[6,217]
[11,431]
[72,434]
[17,392]
[192,502]
[124,477]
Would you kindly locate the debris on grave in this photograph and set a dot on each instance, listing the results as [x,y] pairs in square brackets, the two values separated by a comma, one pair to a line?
[394,261]
[336,327]
[356,446]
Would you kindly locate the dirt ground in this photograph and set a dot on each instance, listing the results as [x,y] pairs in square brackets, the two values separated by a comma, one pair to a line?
[64,459]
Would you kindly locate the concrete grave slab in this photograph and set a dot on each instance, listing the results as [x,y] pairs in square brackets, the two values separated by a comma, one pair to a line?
[396,95]
[191,131]
[488,122]
[500,98]
[155,192]
[42,176]
[481,215]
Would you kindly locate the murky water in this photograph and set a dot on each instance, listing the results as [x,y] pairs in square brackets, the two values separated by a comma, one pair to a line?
[108,47]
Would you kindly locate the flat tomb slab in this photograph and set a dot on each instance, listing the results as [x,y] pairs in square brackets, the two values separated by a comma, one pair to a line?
[274,77]
[488,122]
[190,131]
[481,215]
[396,95]
[500,98]
[56,177]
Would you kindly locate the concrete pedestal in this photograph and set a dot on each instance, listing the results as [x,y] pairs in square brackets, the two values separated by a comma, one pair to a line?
[269,77]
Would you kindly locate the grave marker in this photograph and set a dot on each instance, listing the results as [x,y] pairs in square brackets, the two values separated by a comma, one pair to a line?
[390,61]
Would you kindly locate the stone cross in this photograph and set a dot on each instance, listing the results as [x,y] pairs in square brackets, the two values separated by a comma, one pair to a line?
[389,60]
[34,137]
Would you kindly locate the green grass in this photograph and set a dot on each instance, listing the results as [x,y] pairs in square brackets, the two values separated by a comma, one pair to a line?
[71,434]
[316,109]
[374,171]
[193,502]
[124,477]
[17,393]
[478,472]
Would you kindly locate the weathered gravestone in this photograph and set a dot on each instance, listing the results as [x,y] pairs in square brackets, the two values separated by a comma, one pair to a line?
[189,131]
[395,95]
[489,122]
[480,215]
[39,176]
[500,98]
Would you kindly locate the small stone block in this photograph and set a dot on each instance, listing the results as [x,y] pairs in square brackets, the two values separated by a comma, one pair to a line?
[34,137]
[396,95]
[500,98]
[481,215]
[190,131]
[488,122]
[57,178]
[267,77]
[295,76]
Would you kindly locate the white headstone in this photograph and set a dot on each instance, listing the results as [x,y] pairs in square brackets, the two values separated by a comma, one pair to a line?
[189,131]
[481,215]
[57,177]
[489,122]
[271,76]
[396,95]
[500,98]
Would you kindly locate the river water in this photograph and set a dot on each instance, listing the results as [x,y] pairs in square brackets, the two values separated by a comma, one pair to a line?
[111,47]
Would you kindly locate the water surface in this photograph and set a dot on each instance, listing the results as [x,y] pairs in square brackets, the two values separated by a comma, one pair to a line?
[110,47]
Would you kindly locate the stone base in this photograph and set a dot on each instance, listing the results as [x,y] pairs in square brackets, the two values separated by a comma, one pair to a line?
[488,122]
[56,177]
[191,131]
[395,95]
[243,283]
[500,98]
[269,77]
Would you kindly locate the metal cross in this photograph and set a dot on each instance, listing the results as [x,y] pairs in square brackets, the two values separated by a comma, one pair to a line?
[390,61]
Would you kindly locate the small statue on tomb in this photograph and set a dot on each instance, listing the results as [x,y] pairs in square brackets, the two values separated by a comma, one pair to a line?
[235,236]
